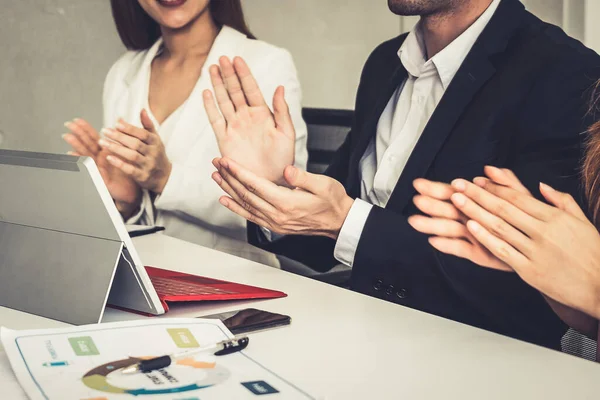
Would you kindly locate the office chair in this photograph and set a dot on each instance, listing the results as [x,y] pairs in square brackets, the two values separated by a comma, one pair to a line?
[327,130]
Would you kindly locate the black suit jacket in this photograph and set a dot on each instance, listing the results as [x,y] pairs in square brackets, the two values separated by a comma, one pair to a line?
[519,101]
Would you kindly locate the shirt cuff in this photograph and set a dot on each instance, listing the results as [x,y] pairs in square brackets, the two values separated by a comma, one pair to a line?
[270,236]
[347,242]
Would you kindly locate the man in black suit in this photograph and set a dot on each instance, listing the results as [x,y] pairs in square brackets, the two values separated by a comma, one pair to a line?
[477,82]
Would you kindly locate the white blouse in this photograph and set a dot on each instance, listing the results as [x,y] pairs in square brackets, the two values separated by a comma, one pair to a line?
[188,207]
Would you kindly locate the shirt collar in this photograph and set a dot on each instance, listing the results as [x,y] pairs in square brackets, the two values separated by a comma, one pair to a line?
[413,54]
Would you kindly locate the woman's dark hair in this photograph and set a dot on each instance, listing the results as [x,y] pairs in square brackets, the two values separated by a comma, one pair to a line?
[138,31]
[591,163]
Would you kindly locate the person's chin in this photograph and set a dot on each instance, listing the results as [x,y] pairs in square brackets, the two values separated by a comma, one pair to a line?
[175,23]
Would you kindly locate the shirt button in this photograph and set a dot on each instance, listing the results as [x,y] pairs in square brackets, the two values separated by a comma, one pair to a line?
[378,285]
[401,293]
[390,290]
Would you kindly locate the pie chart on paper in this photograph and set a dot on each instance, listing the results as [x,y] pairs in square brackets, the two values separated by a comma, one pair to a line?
[186,375]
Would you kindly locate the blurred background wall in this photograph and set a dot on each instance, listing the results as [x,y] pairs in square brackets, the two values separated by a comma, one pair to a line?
[56,53]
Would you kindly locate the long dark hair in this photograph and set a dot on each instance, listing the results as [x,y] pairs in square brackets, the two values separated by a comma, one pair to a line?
[591,162]
[138,31]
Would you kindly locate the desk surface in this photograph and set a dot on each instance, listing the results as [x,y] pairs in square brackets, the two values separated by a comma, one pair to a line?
[344,345]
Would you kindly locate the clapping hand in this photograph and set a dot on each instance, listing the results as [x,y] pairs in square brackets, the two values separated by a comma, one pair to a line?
[246,130]
[139,153]
[83,139]
[553,248]
[308,204]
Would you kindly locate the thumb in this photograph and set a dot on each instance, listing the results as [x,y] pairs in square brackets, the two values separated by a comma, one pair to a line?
[562,201]
[281,111]
[299,178]
[147,122]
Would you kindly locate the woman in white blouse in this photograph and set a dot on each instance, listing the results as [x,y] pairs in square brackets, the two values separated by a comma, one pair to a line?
[156,149]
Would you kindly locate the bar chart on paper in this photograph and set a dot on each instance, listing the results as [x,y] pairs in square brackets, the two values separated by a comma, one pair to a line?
[85,363]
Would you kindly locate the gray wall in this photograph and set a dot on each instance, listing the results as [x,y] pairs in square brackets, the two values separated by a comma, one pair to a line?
[56,54]
[329,39]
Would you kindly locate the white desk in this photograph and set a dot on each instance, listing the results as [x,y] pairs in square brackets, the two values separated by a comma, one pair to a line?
[343,345]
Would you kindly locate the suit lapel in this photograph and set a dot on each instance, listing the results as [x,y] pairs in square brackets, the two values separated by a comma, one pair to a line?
[475,71]
[458,96]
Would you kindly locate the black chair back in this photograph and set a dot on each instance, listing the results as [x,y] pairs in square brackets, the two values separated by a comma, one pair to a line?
[327,130]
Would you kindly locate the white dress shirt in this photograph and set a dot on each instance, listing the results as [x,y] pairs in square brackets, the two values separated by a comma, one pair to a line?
[402,123]
[188,207]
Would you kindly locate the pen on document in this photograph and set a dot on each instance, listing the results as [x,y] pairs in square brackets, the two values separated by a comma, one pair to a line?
[220,349]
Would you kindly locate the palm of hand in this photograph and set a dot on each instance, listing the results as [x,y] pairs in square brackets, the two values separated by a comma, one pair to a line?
[254,141]
[121,187]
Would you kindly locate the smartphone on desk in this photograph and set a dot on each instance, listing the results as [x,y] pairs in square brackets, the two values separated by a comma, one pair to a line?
[250,320]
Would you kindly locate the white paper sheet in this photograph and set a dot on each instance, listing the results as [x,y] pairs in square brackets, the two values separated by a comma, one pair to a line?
[9,387]
[84,363]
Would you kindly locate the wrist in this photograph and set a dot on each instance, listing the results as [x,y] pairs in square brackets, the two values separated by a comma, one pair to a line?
[127,210]
[162,182]
[342,211]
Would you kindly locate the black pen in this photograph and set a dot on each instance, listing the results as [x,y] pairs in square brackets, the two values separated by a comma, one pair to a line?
[220,349]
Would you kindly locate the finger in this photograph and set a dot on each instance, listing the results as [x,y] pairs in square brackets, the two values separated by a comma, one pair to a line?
[498,247]
[123,152]
[84,137]
[281,114]
[437,190]
[147,122]
[239,210]
[232,83]
[74,154]
[438,226]
[217,162]
[83,124]
[225,104]
[438,208]
[214,115]
[262,187]
[495,223]
[134,172]
[312,183]
[562,201]
[130,142]
[131,130]
[251,90]
[248,200]
[504,198]
[463,249]
[77,144]
[519,209]
[505,177]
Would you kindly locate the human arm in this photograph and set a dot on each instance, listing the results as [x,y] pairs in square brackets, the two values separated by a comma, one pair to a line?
[83,139]
[496,223]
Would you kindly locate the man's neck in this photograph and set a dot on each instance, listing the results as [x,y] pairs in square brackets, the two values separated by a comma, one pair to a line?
[191,41]
[439,30]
